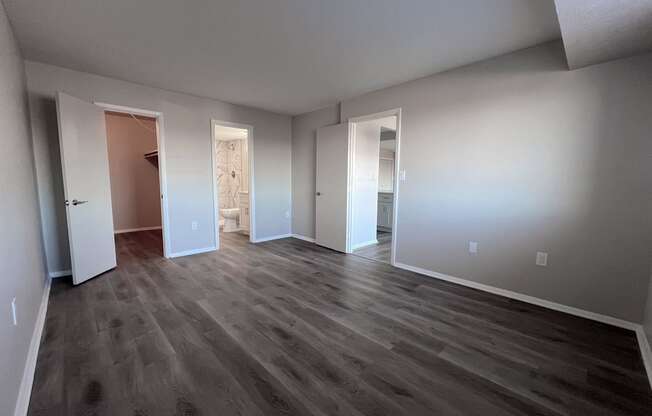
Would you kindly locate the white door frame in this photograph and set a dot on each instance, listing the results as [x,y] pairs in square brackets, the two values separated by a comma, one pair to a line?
[352,120]
[250,163]
[162,176]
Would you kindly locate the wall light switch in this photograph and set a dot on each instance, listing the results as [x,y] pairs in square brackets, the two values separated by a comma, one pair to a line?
[401,175]
[542,258]
[473,247]
[194,225]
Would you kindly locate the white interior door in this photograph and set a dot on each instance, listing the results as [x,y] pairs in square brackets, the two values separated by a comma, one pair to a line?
[331,208]
[85,164]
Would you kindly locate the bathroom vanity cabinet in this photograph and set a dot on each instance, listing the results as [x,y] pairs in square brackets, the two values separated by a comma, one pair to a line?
[385,210]
[244,211]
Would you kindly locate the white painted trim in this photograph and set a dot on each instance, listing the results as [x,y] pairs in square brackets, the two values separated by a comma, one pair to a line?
[274,237]
[133,230]
[397,162]
[395,199]
[641,337]
[646,352]
[251,190]
[191,252]
[350,185]
[60,273]
[364,244]
[303,237]
[130,110]
[162,170]
[25,392]
[524,298]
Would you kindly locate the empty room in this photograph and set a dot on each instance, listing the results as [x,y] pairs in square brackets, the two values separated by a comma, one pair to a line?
[326,207]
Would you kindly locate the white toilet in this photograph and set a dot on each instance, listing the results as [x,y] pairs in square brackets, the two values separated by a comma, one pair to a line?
[230,216]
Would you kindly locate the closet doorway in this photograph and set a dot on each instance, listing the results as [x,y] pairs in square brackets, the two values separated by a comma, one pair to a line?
[133,153]
[232,154]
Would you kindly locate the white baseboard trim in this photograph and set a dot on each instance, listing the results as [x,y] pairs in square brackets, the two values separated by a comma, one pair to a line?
[191,252]
[60,273]
[25,392]
[133,230]
[646,352]
[365,244]
[274,237]
[524,298]
[643,344]
[303,237]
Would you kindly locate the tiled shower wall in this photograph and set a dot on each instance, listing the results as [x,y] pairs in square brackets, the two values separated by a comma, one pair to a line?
[231,178]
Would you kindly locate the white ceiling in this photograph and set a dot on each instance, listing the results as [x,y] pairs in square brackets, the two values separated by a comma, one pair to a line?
[596,31]
[230,133]
[387,123]
[288,56]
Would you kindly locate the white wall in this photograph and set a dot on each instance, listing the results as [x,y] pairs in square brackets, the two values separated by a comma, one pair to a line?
[135,186]
[22,263]
[364,196]
[386,167]
[522,155]
[188,156]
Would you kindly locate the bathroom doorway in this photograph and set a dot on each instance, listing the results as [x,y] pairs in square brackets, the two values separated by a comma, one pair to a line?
[232,151]
[373,184]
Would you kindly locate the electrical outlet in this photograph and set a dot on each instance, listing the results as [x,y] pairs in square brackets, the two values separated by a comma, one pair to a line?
[13,312]
[473,247]
[542,258]
[194,225]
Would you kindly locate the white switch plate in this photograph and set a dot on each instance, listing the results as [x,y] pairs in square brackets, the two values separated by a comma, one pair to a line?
[542,258]
[401,175]
[473,247]
[13,312]
[194,225]
[287,214]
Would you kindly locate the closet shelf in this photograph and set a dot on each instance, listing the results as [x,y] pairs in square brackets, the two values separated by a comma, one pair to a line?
[153,153]
[152,157]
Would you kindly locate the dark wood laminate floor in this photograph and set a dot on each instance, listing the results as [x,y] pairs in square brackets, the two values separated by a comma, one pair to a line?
[289,328]
[379,252]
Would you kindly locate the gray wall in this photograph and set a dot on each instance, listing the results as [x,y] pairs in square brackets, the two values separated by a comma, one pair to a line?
[647,319]
[188,156]
[522,155]
[135,187]
[304,134]
[22,266]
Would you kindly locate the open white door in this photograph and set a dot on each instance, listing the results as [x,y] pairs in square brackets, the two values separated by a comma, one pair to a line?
[331,200]
[87,189]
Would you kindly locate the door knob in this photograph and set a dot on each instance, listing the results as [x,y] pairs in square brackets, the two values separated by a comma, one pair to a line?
[318,193]
[77,202]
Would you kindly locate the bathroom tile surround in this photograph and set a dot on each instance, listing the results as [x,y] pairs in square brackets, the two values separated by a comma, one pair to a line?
[231,172]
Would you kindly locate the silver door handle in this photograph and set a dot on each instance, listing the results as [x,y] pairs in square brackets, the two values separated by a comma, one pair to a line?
[77,202]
